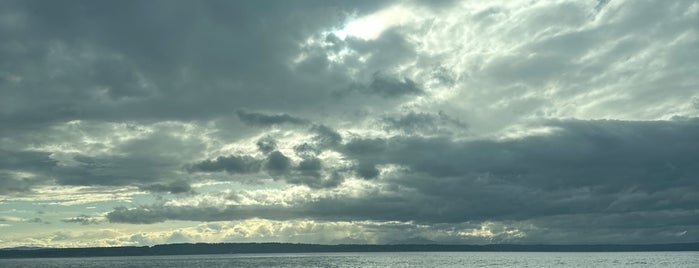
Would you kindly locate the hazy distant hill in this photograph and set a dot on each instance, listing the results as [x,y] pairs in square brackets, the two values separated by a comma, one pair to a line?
[233,248]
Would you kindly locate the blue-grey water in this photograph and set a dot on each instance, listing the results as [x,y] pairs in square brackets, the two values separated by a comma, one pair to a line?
[390,259]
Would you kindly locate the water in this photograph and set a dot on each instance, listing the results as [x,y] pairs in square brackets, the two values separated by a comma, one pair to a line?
[383,260]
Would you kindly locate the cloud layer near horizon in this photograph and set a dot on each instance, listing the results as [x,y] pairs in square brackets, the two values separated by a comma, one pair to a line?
[370,121]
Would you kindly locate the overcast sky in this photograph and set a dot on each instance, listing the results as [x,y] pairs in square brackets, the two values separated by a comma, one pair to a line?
[147,122]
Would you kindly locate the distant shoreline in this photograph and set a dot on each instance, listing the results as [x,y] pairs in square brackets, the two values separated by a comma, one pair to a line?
[240,248]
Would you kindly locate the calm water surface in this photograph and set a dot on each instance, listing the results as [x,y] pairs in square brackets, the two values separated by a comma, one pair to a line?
[390,259]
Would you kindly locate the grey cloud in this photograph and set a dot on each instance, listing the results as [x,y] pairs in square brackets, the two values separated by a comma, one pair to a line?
[316,180]
[387,86]
[414,122]
[38,164]
[277,163]
[310,165]
[326,136]
[110,170]
[390,49]
[155,214]
[37,220]
[600,4]
[309,171]
[259,119]
[19,160]
[306,150]
[82,219]
[581,153]
[266,145]
[366,170]
[154,158]
[366,147]
[587,166]
[157,64]
[176,187]
[609,175]
[230,164]
[411,122]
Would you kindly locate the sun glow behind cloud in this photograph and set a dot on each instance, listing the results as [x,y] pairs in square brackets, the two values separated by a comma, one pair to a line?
[371,26]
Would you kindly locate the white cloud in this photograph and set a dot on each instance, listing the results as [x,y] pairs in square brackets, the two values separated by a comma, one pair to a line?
[371,26]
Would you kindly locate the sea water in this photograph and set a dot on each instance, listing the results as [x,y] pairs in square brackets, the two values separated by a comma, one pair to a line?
[383,260]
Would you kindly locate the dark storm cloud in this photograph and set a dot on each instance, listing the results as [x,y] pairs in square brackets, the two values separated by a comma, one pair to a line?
[619,171]
[131,60]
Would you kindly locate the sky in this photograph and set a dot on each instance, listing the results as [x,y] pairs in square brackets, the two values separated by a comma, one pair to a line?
[457,122]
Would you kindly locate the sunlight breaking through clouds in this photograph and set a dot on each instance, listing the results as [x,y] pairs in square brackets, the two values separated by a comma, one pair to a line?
[126,123]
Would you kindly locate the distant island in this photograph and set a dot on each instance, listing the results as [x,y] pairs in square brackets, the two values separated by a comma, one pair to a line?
[238,248]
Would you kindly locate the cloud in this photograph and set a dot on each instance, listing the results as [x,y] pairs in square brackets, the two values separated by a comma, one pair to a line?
[230,164]
[82,219]
[21,170]
[427,123]
[367,170]
[37,220]
[326,136]
[15,183]
[612,169]
[176,187]
[386,86]
[258,119]
[266,145]
[310,165]
[553,121]
[149,215]
[277,163]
